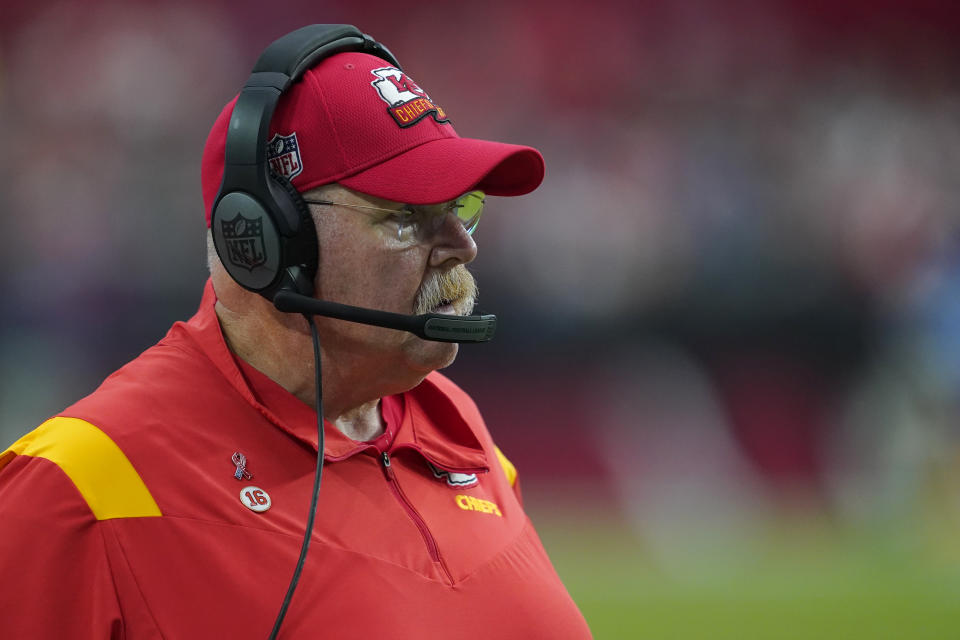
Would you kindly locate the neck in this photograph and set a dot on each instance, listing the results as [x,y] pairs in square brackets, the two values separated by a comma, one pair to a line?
[280,346]
[362,423]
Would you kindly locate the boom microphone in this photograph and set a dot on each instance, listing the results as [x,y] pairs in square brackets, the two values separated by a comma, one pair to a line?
[429,326]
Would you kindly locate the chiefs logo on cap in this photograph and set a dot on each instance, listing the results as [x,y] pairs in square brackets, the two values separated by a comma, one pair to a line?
[406,101]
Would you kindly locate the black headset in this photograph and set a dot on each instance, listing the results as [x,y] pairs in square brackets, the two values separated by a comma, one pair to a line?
[262,229]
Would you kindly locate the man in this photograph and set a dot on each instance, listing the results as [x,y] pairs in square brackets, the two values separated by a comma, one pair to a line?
[172,501]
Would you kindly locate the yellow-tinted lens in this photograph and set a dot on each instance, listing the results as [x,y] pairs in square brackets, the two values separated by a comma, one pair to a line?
[468,208]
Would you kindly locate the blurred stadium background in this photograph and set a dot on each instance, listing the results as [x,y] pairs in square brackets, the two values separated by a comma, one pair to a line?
[728,366]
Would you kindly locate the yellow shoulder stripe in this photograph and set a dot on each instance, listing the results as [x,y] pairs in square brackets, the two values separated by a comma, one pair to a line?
[508,469]
[95,464]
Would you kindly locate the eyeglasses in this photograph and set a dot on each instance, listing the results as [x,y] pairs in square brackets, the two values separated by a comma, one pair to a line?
[416,221]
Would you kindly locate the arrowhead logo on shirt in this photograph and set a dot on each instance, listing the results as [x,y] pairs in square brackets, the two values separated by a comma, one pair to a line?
[454,479]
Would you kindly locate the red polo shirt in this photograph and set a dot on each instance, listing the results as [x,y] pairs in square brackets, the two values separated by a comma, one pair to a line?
[123,518]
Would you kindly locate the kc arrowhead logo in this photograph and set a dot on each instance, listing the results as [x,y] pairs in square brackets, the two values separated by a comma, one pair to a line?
[454,479]
[406,102]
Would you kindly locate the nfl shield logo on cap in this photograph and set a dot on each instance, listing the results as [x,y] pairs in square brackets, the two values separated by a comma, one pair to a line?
[283,154]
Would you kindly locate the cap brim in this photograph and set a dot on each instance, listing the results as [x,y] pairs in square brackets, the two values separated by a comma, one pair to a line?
[444,169]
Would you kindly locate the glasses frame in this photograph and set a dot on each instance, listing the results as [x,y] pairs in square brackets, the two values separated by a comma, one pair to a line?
[469,225]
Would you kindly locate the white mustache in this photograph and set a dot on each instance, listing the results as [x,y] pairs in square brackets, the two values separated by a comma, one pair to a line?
[456,286]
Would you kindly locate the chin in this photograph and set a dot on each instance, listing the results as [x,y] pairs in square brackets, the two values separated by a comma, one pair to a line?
[426,356]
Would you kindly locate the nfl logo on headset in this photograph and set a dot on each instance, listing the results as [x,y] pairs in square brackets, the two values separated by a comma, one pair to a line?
[283,154]
[244,240]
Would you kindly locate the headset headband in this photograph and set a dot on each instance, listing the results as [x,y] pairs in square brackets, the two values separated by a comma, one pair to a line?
[248,192]
[279,66]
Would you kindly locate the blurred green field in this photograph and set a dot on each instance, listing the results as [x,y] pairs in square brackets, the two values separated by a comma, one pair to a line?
[804,582]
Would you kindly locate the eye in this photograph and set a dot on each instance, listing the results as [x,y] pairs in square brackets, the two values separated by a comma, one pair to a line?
[402,216]
[468,208]
[406,221]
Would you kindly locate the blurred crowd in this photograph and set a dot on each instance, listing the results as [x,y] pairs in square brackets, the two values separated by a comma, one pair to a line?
[731,297]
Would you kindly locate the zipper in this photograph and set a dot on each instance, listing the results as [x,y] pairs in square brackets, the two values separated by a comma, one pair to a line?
[428,538]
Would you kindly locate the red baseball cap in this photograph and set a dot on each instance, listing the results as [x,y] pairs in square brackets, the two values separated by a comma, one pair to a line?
[356,120]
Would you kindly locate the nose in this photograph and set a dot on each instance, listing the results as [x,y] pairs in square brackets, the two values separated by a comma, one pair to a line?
[451,245]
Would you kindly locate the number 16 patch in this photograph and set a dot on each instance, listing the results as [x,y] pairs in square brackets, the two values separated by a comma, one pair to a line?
[255,499]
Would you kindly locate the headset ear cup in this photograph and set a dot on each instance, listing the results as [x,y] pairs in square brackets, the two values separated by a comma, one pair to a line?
[247,241]
[301,249]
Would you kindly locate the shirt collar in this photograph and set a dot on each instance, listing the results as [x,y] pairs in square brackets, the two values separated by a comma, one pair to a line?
[430,421]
